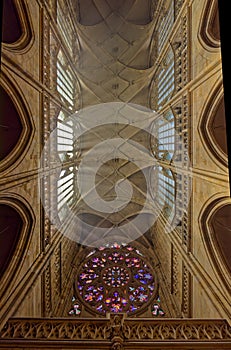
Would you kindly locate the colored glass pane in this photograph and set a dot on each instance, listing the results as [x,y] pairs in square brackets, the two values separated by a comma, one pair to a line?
[116,279]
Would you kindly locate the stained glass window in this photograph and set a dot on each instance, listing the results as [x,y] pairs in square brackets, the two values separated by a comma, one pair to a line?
[76,308]
[156,309]
[116,279]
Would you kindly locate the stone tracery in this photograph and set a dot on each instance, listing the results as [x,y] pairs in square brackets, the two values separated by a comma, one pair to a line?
[116,279]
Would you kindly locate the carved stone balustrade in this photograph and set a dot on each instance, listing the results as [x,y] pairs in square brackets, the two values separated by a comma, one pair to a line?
[115,332]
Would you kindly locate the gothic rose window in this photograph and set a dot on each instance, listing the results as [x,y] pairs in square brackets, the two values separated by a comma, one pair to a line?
[116,279]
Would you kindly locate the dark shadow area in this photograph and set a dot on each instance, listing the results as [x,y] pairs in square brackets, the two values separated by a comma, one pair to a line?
[1,10]
[221,224]
[224,18]
[10,229]
[10,126]
[11,27]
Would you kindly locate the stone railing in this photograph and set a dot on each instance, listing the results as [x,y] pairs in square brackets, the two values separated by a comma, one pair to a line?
[117,332]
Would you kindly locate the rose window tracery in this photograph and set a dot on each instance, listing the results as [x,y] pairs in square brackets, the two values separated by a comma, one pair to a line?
[116,279]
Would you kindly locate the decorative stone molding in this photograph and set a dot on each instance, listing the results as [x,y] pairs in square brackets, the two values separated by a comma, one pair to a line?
[148,331]
[46,50]
[186,284]
[56,269]
[175,272]
[47,304]
[48,189]
[182,121]
[117,346]
[184,49]
[178,6]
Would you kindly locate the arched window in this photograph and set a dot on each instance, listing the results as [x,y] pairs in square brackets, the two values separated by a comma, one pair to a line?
[65,26]
[67,152]
[65,81]
[65,137]
[163,84]
[165,191]
[162,180]
[166,79]
[163,145]
[66,189]
[115,279]
[165,24]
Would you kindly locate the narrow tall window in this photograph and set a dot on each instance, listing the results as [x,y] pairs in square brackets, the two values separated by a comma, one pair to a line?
[66,188]
[65,27]
[65,146]
[65,137]
[165,25]
[65,80]
[163,145]
[166,79]
[166,191]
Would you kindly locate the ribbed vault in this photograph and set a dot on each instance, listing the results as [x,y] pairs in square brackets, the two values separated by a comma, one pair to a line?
[144,55]
[113,66]
[115,39]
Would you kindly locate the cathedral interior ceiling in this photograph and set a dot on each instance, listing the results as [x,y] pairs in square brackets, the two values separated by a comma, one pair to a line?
[115,66]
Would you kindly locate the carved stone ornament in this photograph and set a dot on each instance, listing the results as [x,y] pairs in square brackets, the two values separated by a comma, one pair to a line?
[104,329]
[117,346]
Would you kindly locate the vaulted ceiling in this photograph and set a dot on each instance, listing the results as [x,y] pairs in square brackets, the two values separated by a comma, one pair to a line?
[115,39]
[115,42]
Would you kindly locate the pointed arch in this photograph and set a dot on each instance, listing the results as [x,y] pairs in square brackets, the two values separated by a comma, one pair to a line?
[11,27]
[215,222]
[16,126]
[17,32]
[212,126]
[16,224]
[209,30]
